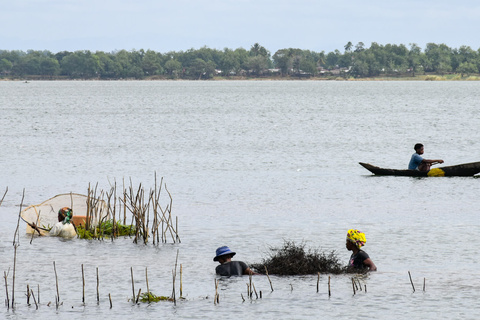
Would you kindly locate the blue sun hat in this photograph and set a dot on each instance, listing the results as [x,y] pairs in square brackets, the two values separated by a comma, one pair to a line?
[221,251]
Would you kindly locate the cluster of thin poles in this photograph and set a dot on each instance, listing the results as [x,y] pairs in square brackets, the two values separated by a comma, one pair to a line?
[140,204]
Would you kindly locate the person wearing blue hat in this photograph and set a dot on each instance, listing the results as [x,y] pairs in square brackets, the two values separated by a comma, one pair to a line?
[228,267]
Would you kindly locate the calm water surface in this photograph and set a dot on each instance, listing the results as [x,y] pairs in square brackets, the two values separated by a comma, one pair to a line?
[249,165]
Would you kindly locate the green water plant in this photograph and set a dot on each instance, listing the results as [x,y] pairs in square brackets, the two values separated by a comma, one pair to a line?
[150,297]
[107,229]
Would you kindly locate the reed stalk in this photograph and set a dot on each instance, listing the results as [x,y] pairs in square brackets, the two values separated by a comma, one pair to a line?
[124,204]
[34,300]
[410,276]
[28,295]
[138,296]
[146,279]
[56,283]
[1,201]
[83,286]
[133,286]
[110,299]
[353,286]
[268,277]
[318,280]
[250,286]
[173,289]
[98,285]
[176,230]
[216,292]
[181,285]
[424,284]
[16,244]
[174,276]
[7,300]
[255,290]
[329,292]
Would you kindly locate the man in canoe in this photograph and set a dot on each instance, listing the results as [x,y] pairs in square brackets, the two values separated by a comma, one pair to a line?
[417,162]
[359,258]
[63,228]
[228,267]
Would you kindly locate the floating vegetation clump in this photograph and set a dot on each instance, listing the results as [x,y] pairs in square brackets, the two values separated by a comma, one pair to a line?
[293,259]
[150,297]
[107,229]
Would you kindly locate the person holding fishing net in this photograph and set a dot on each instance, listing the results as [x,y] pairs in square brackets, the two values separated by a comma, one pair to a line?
[359,258]
[228,267]
[63,228]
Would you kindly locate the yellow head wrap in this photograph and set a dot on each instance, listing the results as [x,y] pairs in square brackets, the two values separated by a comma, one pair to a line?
[357,237]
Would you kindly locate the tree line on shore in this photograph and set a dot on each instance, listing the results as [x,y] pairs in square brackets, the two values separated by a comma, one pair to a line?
[205,63]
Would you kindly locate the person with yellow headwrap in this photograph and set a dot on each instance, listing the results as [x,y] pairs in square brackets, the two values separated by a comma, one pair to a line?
[359,258]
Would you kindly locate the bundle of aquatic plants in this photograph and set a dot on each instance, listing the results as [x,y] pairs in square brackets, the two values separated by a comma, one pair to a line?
[293,259]
[106,229]
[150,297]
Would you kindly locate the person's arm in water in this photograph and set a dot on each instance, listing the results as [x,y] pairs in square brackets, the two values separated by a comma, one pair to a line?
[249,271]
[369,263]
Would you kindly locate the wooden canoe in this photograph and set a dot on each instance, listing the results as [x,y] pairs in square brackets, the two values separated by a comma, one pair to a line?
[460,170]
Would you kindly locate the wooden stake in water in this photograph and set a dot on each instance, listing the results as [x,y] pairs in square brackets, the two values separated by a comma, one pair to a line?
[255,290]
[216,292]
[181,285]
[329,293]
[359,285]
[133,286]
[7,300]
[411,281]
[33,296]
[318,280]
[98,284]
[250,286]
[56,282]
[83,286]
[353,285]
[266,272]
[146,279]
[110,298]
[424,284]
[16,243]
[138,296]
[174,276]
[28,295]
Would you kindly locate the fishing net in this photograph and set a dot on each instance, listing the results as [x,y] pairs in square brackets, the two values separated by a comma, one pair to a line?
[45,215]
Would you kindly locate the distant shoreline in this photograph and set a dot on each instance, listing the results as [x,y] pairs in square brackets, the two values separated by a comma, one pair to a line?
[450,77]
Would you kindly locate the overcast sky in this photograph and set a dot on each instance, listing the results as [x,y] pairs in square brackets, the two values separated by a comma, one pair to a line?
[174,25]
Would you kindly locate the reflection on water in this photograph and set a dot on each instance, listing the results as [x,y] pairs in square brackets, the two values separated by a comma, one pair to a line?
[248,164]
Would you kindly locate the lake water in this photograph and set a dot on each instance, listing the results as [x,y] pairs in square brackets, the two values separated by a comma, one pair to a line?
[249,164]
